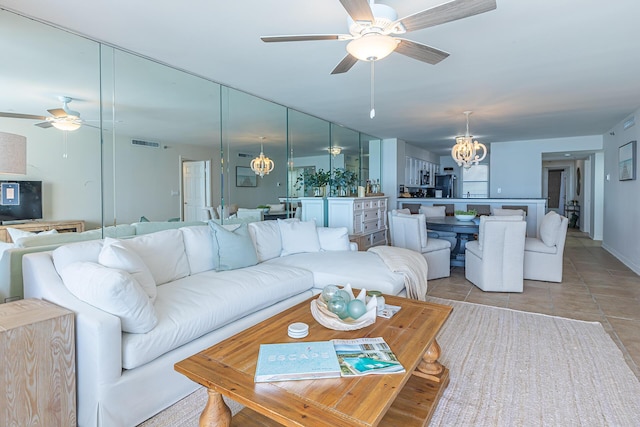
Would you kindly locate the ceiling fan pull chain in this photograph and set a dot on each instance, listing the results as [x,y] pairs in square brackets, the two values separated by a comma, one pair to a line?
[65,152]
[372,114]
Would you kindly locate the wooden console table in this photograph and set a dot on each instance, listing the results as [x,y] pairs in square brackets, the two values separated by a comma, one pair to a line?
[39,226]
[37,350]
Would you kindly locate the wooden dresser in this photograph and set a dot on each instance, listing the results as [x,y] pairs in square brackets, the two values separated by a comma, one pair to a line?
[39,226]
[37,350]
[364,217]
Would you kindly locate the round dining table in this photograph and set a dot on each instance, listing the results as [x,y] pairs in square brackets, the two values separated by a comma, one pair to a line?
[465,231]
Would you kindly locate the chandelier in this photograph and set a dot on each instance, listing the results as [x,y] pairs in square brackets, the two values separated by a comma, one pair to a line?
[262,165]
[335,151]
[465,152]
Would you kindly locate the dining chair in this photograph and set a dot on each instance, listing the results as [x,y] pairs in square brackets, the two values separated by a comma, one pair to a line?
[495,262]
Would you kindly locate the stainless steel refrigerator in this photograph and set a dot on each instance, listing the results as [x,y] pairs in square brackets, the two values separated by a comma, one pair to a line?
[446,184]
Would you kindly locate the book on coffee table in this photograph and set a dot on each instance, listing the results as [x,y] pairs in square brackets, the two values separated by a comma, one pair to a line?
[366,356]
[297,361]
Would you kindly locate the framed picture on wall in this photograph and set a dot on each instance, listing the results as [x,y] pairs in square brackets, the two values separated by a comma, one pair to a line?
[627,161]
[245,177]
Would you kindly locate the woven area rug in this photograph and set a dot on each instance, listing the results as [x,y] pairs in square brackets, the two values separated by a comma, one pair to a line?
[511,368]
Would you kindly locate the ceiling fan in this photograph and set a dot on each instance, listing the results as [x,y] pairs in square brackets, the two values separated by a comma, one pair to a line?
[61,118]
[374,29]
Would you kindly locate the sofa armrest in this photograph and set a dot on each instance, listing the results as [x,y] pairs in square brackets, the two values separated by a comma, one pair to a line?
[98,334]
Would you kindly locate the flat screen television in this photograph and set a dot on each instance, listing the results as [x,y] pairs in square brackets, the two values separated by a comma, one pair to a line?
[20,200]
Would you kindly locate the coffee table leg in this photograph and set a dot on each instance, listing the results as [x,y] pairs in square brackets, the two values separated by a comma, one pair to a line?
[216,413]
[429,367]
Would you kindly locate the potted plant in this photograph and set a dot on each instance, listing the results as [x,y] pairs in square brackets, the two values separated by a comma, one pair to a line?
[343,180]
[311,179]
[264,208]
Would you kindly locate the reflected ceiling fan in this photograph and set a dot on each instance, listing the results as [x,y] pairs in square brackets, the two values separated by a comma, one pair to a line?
[374,29]
[61,118]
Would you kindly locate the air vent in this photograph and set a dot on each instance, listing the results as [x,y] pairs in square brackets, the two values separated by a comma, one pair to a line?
[148,144]
[246,155]
[629,123]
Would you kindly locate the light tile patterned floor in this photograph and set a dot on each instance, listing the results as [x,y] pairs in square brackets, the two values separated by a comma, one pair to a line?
[596,287]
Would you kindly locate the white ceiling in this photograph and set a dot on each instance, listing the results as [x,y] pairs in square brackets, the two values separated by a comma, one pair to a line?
[530,69]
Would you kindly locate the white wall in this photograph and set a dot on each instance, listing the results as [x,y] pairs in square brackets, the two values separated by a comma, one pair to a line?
[621,198]
[70,185]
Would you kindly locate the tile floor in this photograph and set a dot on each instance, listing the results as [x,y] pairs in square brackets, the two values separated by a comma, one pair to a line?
[595,287]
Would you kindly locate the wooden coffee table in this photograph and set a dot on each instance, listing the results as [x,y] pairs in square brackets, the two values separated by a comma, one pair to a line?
[407,399]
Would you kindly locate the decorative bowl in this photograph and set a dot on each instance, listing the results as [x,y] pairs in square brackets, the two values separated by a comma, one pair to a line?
[330,320]
[461,217]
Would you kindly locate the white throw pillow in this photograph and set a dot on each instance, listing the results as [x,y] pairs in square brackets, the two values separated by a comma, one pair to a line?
[334,238]
[265,236]
[549,228]
[163,252]
[197,245]
[113,291]
[298,236]
[76,252]
[433,211]
[232,249]
[404,211]
[114,255]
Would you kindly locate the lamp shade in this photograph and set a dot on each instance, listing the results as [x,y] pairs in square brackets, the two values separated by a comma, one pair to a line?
[13,153]
[66,124]
[372,47]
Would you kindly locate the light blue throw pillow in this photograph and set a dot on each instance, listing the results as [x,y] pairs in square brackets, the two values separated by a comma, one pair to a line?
[234,249]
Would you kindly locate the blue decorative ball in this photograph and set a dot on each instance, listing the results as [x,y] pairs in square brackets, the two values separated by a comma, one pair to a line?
[356,308]
[329,292]
[344,294]
[338,305]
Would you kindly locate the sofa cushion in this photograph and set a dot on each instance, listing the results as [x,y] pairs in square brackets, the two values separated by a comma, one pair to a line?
[163,252]
[266,239]
[114,255]
[196,305]
[531,244]
[198,246]
[114,291]
[298,237]
[361,269]
[333,238]
[549,228]
[232,249]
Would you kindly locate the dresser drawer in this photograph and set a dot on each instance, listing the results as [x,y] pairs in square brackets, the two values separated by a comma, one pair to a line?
[358,205]
[379,238]
[370,226]
[370,204]
[370,214]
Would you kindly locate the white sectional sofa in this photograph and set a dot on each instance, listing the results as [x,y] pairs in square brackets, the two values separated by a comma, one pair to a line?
[177,292]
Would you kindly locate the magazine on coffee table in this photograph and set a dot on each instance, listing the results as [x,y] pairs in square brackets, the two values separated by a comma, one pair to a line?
[366,356]
[297,361]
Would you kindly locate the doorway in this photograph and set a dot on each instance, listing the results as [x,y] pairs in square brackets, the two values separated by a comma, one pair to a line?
[196,189]
[556,190]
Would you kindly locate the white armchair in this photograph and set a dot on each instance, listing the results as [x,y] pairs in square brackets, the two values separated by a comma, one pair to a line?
[495,262]
[543,254]
[410,232]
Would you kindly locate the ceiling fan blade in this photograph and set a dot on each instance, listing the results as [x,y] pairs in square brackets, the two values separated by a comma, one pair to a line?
[44,125]
[22,116]
[345,65]
[358,10]
[420,51]
[447,12]
[305,37]
[58,112]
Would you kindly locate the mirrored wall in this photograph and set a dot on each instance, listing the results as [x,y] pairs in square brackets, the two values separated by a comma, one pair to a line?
[155,143]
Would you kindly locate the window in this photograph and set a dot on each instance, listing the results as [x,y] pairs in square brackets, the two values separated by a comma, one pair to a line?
[475,182]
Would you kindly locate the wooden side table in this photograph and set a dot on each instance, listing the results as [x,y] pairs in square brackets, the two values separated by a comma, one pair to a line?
[37,378]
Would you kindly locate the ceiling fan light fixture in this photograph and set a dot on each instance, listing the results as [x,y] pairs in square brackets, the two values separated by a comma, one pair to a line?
[372,47]
[335,151]
[68,124]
